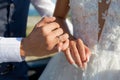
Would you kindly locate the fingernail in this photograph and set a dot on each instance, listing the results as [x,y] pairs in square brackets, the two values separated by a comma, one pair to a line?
[59,49]
[75,65]
[84,66]
[88,58]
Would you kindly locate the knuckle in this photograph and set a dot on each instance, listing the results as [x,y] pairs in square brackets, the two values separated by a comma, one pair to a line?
[72,43]
[43,30]
[80,41]
[56,24]
[64,38]
[66,35]
[61,30]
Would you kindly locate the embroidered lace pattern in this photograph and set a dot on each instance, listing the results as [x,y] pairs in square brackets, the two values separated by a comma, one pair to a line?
[104,63]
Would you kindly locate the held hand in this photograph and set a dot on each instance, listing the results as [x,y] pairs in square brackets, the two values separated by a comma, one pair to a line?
[43,39]
[78,54]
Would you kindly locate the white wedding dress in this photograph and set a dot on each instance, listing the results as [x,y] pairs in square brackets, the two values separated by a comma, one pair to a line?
[104,63]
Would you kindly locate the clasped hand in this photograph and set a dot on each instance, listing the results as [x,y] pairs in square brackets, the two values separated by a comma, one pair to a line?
[43,39]
[77,53]
[48,37]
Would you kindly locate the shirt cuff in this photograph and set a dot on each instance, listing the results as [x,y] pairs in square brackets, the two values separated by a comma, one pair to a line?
[10,50]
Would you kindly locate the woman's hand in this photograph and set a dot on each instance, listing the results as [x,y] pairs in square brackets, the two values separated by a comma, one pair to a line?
[78,53]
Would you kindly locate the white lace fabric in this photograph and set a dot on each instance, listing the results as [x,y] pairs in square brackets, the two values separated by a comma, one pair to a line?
[104,63]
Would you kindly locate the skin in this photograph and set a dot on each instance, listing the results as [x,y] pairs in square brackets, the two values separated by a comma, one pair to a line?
[43,39]
[46,33]
[77,53]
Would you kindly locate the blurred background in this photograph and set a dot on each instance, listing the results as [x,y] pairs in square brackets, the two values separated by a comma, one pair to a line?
[33,18]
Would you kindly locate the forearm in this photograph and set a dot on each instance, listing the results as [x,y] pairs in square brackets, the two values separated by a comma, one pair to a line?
[61,11]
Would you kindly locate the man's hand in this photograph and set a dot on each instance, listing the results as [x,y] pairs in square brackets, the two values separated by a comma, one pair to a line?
[44,38]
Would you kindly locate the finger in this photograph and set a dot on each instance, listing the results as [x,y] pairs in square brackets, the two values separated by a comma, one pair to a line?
[48,28]
[88,53]
[69,57]
[65,45]
[52,26]
[57,32]
[75,53]
[45,20]
[53,41]
[49,19]
[81,49]
[63,42]
[63,37]
[84,66]
[60,44]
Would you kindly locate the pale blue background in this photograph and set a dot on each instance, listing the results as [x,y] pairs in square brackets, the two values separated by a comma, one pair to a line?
[33,12]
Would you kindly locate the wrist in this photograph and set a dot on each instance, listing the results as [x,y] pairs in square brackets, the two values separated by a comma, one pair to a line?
[23,48]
